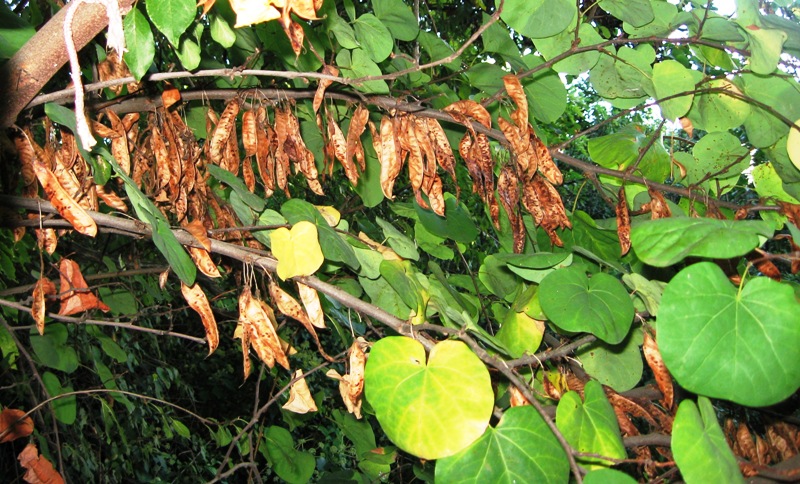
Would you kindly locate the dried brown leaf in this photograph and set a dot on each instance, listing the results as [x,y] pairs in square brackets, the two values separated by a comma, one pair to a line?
[38,306]
[170,97]
[205,264]
[258,324]
[111,198]
[687,126]
[747,447]
[658,205]
[38,470]
[338,147]
[161,154]
[623,222]
[470,109]
[288,306]
[249,136]
[120,148]
[516,398]
[219,140]
[13,426]
[520,148]
[199,232]
[66,206]
[230,155]
[544,161]
[517,94]
[358,123]
[295,33]
[75,295]
[310,299]
[660,372]
[300,400]
[389,155]
[198,301]
[319,95]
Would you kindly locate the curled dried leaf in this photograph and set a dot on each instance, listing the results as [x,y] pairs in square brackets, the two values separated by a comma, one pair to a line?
[545,162]
[41,290]
[623,222]
[66,206]
[310,299]
[656,364]
[658,205]
[288,306]
[13,426]
[319,95]
[389,155]
[205,264]
[470,109]
[358,123]
[516,398]
[37,468]
[259,328]
[249,134]
[75,295]
[223,130]
[199,232]
[300,400]
[517,94]
[170,97]
[338,147]
[111,199]
[198,301]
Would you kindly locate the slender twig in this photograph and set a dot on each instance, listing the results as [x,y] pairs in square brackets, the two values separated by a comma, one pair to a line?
[117,391]
[95,322]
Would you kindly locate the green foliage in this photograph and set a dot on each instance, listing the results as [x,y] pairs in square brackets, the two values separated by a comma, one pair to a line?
[590,425]
[516,282]
[519,448]
[696,433]
[449,389]
[707,326]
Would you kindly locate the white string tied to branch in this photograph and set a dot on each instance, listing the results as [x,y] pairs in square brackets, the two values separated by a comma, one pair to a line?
[115,41]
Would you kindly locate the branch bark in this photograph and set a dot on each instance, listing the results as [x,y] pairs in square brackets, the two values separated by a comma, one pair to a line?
[24,75]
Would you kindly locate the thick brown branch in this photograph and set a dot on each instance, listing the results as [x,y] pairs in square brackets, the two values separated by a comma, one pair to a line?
[43,55]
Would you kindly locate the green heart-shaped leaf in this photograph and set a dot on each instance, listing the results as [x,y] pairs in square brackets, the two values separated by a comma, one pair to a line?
[297,250]
[697,440]
[741,345]
[575,302]
[590,426]
[430,410]
[520,449]
[665,241]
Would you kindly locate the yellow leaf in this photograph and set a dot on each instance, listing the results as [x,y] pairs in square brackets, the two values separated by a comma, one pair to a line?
[250,12]
[793,145]
[298,251]
[330,214]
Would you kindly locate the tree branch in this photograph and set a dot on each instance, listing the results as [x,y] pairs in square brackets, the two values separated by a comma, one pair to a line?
[24,75]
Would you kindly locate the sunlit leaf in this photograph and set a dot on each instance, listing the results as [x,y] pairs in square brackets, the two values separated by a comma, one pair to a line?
[297,250]
[400,377]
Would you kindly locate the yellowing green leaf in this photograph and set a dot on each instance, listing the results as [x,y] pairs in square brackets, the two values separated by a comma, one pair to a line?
[297,250]
[793,145]
[330,214]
